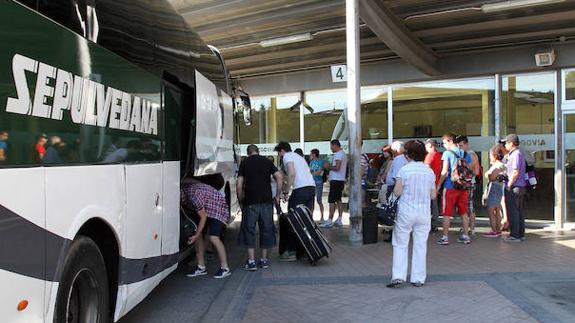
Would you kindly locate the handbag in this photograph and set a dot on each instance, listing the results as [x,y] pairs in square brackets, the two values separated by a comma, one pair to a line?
[388,211]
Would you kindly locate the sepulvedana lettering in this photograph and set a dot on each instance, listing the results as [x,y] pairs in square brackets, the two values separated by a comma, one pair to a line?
[88,102]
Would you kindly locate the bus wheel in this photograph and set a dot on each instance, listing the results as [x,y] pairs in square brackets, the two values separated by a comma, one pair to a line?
[83,291]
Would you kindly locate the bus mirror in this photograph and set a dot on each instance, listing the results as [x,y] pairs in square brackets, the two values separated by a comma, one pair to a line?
[246,106]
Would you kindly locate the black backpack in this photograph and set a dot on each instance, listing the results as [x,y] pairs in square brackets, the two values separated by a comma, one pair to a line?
[461,175]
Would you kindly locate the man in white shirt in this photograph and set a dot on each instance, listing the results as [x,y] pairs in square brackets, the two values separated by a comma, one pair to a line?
[337,173]
[301,182]
[399,161]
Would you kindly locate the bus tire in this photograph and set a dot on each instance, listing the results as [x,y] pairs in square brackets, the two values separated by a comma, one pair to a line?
[83,295]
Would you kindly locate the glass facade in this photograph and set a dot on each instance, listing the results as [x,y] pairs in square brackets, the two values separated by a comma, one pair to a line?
[570,166]
[429,109]
[527,109]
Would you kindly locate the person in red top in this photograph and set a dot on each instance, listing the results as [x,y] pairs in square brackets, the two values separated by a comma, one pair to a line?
[40,148]
[433,160]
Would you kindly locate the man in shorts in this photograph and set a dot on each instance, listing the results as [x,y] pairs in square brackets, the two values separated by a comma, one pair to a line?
[463,143]
[211,207]
[337,173]
[453,197]
[255,196]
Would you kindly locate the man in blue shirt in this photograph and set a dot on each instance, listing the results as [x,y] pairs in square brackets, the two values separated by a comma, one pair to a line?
[398,161]
[453,197]
[316,166]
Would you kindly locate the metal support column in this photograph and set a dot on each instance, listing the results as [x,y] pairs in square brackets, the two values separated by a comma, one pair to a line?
[354,119]
[390,114]
[302,124]
[559,181]
[497,107]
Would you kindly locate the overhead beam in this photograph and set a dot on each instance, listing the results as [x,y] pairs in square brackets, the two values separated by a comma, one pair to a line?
[497,25]
[397,37]
[306,64]
[290,53]
[285,14]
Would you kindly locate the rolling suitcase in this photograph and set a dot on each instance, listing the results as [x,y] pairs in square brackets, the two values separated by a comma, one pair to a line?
[308,233]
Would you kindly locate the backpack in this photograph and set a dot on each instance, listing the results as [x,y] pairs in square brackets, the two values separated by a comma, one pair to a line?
[461,175]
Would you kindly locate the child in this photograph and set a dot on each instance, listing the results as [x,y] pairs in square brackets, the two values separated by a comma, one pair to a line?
[494,191]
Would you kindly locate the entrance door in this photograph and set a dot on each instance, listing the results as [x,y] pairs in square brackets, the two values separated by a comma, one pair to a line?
[569,164]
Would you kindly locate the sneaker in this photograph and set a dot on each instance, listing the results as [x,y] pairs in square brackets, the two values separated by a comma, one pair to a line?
[464,239]
[338,223]
[396,283]
[492,234]
[511,239]
[288,256]
[222,273]
[264,263]
[443,241]
[326,224]
[251,265]
[417,284]
[198,272]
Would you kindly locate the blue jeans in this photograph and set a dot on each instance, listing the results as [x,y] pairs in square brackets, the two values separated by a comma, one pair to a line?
[288,239]
[262,215]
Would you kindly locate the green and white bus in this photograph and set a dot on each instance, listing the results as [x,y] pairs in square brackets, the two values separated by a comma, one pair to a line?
[104,106]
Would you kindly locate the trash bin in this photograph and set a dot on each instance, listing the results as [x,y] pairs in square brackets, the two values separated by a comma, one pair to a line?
[370,226]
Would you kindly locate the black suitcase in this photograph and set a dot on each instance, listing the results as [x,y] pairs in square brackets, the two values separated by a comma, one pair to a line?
[369,224]
[308,233]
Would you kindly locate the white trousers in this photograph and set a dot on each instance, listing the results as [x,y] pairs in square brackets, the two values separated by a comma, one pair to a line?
[405,224]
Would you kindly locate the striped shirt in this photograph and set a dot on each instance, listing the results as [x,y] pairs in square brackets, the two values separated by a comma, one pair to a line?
[418,182]
[197,196]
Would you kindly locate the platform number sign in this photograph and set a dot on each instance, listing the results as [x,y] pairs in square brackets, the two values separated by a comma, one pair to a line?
[338,73]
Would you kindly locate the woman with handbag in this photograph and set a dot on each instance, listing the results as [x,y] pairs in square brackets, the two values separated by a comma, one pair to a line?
[415,187]
[493,195]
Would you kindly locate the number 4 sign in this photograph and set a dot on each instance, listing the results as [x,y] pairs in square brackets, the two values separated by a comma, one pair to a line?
[338,73]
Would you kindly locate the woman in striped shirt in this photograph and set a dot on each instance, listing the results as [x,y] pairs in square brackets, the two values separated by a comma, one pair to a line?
[415,185]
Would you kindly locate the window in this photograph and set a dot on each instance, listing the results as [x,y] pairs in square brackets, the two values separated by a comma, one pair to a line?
[274,118]
[431,109]
[569,83]
[527,109]
[324,118]
[374,119]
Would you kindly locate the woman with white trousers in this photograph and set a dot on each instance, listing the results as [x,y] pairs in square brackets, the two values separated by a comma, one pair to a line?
[415,187]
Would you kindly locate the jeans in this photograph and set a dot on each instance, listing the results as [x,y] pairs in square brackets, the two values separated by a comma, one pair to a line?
[514,201]
[288,239]
[262,216]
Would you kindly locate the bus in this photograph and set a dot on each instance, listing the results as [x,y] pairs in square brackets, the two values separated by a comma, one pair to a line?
[104,106]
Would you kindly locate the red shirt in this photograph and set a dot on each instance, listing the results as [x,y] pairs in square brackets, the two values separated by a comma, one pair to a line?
[434,161]
[40,151]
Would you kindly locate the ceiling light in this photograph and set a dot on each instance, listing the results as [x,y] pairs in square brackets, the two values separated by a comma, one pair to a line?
[515,4]
[286,40]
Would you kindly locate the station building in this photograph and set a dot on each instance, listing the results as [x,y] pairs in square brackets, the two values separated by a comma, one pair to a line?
[427,67]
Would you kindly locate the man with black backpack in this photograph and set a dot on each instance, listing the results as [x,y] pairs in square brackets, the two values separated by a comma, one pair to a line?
[457,175]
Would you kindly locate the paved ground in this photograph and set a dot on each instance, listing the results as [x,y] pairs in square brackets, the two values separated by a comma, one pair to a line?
[486,281]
